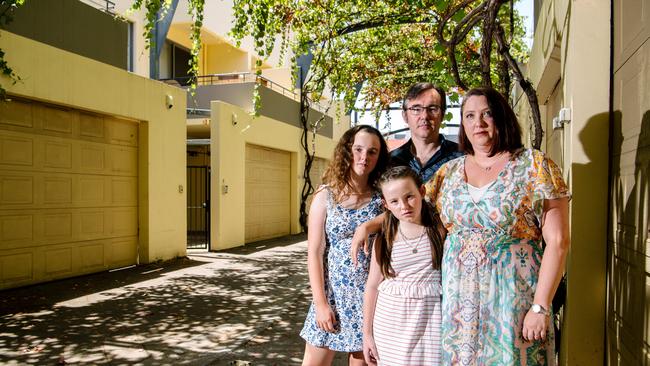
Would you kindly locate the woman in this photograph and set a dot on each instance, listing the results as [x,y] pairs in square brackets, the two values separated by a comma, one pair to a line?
[497,204]
[347,198]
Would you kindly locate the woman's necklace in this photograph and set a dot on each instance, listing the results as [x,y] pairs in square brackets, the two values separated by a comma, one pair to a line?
[488,167]
[406,239]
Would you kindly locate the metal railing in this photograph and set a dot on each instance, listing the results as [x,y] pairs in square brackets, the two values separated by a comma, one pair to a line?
[240,78]
[104,5]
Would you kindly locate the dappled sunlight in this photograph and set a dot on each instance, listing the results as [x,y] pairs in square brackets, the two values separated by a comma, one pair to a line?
[225,307]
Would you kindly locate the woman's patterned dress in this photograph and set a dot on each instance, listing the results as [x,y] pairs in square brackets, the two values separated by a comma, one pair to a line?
[491,260]
[344,284]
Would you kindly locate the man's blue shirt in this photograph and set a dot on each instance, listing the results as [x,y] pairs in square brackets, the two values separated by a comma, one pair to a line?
[403,156]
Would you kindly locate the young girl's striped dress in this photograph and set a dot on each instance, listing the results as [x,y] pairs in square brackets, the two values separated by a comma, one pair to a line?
[407,318]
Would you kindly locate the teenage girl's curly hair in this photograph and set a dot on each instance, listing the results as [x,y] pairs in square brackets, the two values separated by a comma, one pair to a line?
[429,217]
[337,174]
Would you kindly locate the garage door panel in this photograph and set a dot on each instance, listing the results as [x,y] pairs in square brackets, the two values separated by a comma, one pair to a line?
[91,257]
[57,190]
[122,133]
[58,261]
[124,160]
[36,228]
[20,189]
[16,150]
[56,121]
[16,190]
[24,152]
[124,191]
[68,193]
[16,267]
[16,113]
[91,127]
[92,224]
[122,252]
[268,173]
[57,227]
[58,155]
[124,222]
[93,191]
[15,229]
[92,158]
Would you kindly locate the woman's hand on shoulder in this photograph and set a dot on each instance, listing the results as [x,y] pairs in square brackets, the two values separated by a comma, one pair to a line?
[361,233]
[369,350]
[359,240]
[325,318]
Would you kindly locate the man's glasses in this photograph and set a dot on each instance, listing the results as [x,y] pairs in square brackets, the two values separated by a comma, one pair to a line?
[417,110]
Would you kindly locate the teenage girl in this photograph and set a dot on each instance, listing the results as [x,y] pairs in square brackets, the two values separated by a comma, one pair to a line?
[401,308]
[348,199]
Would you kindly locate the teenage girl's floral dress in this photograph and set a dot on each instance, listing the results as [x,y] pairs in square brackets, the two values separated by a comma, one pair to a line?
[344,283]
[491,260]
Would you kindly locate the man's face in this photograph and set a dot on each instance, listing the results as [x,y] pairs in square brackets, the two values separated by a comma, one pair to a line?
[424,115]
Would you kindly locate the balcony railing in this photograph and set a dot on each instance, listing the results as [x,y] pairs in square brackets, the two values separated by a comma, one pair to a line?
[104,5]
[240,78]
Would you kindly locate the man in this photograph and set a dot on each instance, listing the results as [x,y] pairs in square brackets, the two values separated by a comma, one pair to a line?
[424,108]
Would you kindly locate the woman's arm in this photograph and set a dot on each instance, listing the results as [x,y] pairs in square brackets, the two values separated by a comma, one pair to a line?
[325,318]
[369,301]
[555,230]
[361,233]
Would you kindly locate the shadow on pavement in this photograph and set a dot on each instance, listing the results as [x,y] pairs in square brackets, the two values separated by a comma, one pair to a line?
[244,306]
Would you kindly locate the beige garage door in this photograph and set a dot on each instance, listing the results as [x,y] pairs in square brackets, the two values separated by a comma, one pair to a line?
[268,193]
[68,193]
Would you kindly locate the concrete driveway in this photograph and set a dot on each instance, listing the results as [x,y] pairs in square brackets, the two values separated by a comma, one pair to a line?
[244,306]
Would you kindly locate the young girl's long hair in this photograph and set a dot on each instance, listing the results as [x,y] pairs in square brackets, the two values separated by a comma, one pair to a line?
[430,220]
[337,174]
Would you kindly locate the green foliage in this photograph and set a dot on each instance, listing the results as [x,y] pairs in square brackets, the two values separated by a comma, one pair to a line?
[386,45]
[6,16]
[156,10]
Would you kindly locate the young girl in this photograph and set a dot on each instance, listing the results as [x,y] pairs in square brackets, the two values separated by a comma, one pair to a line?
[347,199]
[401,307]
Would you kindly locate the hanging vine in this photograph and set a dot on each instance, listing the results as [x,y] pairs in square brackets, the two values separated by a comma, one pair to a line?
[7,8]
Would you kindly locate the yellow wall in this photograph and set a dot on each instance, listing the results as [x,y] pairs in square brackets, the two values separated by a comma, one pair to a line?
[569,67]
[586,91]
[228,167]
[223,58]
[280,76]
[628,328]
[63,78]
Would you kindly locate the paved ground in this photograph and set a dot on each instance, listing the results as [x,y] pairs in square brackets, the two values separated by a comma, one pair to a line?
[241,307]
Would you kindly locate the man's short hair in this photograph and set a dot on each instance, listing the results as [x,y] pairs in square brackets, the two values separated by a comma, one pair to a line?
[416,89]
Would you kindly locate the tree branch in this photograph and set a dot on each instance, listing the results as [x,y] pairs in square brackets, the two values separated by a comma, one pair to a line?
[504,50]
[400,19]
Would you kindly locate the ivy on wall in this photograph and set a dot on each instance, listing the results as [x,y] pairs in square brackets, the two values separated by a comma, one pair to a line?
[7,8]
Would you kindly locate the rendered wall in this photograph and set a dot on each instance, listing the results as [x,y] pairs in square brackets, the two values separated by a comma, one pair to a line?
[55,76]
[628,310]
[569,67]
[224,58]
[73,26]
[140,53]
[228,167]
